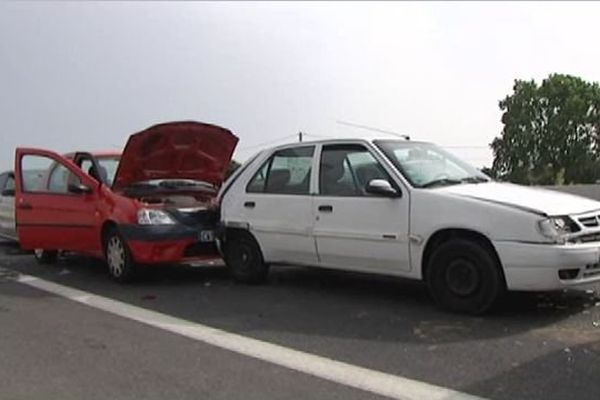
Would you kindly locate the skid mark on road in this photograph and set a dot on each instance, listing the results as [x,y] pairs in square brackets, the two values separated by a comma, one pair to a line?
[368,380]
[435,330]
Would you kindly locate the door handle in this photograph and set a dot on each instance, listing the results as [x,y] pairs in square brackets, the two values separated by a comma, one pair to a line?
[249,204]
[25,206]
[326,208]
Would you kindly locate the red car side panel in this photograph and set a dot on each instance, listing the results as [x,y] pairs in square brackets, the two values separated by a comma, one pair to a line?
[56,220]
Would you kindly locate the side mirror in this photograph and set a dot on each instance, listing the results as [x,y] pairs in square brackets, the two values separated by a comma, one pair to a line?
[78,188]
[381,187]
[8,193]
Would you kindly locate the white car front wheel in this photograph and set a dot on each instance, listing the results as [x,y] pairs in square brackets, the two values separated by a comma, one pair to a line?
[464,276]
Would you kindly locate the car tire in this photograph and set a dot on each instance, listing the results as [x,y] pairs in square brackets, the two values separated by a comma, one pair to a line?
[121,266]
[45,256]
[464,276]
[244,258]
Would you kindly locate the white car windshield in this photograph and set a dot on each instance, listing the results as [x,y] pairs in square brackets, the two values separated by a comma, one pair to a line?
[427,165]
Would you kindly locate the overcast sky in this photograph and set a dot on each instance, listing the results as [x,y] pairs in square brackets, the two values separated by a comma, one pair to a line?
[83,76]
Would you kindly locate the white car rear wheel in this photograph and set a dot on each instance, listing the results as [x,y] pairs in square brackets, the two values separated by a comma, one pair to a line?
[244,258]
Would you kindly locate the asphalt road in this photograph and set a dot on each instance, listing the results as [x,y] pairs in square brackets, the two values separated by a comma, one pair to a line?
[534,346]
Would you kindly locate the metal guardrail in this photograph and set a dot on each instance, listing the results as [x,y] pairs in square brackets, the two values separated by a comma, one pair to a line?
[586,190]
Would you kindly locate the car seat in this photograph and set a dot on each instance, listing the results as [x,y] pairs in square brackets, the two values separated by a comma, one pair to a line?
[100,174]
[277,181]
[332,171]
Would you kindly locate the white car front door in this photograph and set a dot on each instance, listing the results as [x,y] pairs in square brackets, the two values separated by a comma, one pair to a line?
[277,206]
[355,229]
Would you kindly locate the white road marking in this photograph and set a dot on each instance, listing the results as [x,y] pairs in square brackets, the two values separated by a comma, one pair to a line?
[372,381]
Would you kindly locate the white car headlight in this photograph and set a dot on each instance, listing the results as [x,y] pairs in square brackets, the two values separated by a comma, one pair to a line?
[557,228]
[147,216]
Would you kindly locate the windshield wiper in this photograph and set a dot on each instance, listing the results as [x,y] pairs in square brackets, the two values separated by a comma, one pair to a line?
[474,179]
[141,185]
[174,184]
[452,181]
[179,184]
[441,181]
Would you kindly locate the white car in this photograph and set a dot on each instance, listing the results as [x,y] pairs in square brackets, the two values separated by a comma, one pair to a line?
[7,206]
[408,209]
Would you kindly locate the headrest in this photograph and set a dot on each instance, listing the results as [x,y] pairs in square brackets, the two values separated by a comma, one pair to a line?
[333,165]
[99,174]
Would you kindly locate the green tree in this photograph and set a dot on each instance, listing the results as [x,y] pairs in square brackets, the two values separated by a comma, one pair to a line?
[551,132]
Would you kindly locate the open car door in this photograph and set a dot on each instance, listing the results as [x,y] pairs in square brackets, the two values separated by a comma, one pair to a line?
[55,203]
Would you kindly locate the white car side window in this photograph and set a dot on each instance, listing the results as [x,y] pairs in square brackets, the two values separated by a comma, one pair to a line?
[285,172]
[347,169]
[10,183]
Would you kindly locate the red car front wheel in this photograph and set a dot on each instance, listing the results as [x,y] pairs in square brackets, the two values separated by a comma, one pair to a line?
[121,266]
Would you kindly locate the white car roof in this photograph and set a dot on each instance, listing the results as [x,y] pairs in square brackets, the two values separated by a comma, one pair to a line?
[369,139]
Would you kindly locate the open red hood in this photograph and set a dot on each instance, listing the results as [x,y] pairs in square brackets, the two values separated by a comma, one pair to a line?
[176,150]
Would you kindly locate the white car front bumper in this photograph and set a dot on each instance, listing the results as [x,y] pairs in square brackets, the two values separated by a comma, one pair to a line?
[530,266]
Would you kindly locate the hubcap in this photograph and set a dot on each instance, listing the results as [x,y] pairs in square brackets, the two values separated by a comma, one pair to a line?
[38,253]
[243,257]
[462,277]
[115,256]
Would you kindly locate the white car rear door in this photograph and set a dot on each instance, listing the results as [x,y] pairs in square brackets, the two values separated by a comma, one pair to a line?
[276,204]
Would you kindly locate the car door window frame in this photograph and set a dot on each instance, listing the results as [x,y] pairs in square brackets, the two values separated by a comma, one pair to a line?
[80,157]
[57,160]
[389,175]
[268,164]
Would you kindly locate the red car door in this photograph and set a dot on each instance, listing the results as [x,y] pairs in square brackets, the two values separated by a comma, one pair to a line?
[55,203]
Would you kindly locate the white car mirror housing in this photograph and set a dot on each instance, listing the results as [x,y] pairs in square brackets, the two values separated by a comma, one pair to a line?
[382,187]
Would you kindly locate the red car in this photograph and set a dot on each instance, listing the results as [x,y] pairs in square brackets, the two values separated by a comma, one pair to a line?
[156,205]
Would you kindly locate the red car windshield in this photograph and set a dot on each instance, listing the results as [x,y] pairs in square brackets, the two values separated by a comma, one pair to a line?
[109,163]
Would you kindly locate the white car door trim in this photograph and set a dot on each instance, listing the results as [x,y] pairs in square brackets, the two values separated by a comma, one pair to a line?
[280,229]
[377,237]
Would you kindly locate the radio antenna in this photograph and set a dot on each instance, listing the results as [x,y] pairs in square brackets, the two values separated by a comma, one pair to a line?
[372,128]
